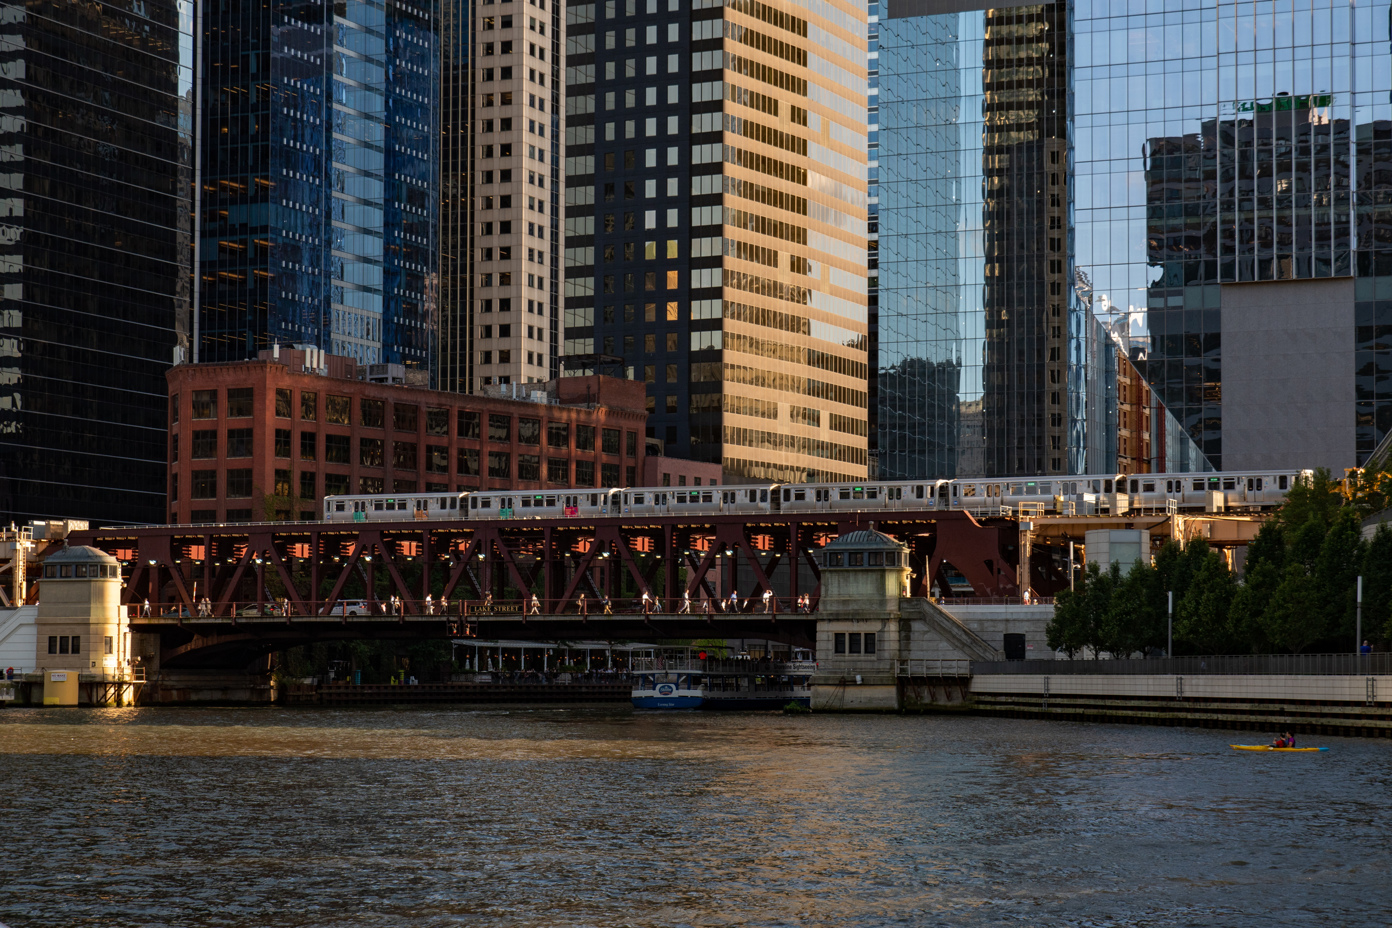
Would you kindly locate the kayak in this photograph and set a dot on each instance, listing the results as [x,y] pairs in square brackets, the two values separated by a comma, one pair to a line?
[1267,747]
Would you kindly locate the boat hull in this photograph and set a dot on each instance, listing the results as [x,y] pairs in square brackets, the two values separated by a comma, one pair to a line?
[674,701]
[1267,747]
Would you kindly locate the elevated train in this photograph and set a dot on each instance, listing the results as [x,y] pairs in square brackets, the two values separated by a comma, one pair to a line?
[1080,494]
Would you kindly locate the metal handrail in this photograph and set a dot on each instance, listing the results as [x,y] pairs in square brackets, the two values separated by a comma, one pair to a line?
[1375,664]
[416,609]
[925,667]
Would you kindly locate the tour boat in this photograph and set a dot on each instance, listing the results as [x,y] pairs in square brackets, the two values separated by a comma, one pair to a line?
[667,689]
[686,679]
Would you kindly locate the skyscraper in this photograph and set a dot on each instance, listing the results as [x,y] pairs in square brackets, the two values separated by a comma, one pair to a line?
[96,136]
[320,179]
[1197,184]
[716,224]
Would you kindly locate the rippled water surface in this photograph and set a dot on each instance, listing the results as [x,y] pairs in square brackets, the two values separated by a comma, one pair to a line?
[262,817]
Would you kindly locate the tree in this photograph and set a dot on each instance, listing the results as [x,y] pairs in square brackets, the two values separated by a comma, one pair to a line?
[1130,624]
[1377,583]
[1080,615]
[1335,578]
[1319,500]
[1287,617]
[1202,616]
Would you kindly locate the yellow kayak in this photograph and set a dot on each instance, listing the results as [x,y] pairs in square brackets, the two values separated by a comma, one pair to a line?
[1267,747]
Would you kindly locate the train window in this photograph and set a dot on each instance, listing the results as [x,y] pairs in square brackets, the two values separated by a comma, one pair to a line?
[798,495]
[637,499]
[338,507]
[918,492]
[1108,485]
[1134,485]
[1259,483]
[1281,482]
[763,496]
[1198,486]
[377,505]
[968,490]
[1229,483]
[1148,487]
[845,493]
[1013,489]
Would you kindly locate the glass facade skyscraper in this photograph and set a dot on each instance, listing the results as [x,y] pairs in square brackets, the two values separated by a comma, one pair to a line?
[1219,168]
[320,178]
[96,135]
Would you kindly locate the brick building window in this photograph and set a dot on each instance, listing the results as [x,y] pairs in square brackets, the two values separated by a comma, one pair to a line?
[202,516]
[203,485]
[309,446]
[400,485]
[557,470]
[529,431]
[631,445]
[240,401]
[282,443]
[529,467]
[239,483]
[500,428]
[609,439]
[370,452]
[174,409]
[436,459]
[370,413]
[609,475]
[436,420]
[584,473]
[239,515]
[335,484]
[336,449]
[284,401]
[309,405]
[371,485]
[405,418]
[337,410]
[282,482]
[499,464]
[307,488]
[558,434]
[205,444]
[584,439]
[205,404]
[174,488]
[467,462]
[405,455]
[468,424]
[239,443]
[631,479]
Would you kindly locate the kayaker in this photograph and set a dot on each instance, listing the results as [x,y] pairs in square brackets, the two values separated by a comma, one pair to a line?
[1290,740]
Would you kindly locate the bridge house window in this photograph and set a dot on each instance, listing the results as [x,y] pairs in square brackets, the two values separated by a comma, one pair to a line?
[854,642]
[838,643]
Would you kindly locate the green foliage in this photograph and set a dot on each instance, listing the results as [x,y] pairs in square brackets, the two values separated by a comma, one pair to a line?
[1297,593]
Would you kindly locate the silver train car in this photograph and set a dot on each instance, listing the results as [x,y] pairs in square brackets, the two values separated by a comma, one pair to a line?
[1079,494]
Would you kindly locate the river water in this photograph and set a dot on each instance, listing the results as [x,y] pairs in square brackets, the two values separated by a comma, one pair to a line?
[608,817]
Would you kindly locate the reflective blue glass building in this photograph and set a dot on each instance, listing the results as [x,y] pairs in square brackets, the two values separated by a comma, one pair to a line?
[1194,191]
[320,178]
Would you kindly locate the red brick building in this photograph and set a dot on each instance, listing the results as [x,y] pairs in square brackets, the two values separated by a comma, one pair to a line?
[268,439]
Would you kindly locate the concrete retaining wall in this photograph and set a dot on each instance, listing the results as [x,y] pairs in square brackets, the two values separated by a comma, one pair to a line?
[1247,687]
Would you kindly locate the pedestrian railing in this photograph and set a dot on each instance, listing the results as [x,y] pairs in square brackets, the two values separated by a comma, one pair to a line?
[934,668]
[1295,664]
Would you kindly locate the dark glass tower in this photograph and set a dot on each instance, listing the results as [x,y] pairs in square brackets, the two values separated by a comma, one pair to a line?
[96,135]
[321,179]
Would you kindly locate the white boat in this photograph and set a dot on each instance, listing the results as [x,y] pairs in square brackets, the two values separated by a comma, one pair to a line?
[667,689]
[686,679]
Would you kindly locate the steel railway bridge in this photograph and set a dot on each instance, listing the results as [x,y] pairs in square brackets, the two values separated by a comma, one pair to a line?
[217,589]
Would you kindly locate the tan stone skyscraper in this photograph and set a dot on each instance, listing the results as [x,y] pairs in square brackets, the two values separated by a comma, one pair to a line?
[503,191]
[716,224]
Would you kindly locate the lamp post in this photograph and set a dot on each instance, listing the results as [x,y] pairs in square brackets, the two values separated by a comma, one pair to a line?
[1169,622]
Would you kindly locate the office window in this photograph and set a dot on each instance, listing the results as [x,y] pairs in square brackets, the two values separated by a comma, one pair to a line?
[558,434]
[609,441]
[631,444]
[405,455]
[557,470]
[405,418]
[371,413]
[307,485]
[336,449]
[529,431]
[436,421]
[369,452]
[282,482]
[371,484]
[309,405]
[853,642]
[336,410]
[203,485]
[499,428]
[239,443]
[584,437]
[239,402]
[205,444]
[468,424]
[499,465]
[284,400]
[437,459]
[205,404]
[309,446]
[529,467]
[335,484]
[584,473]
[467,462]
[609,475]
[174,409]
[282,443]
[239,483]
